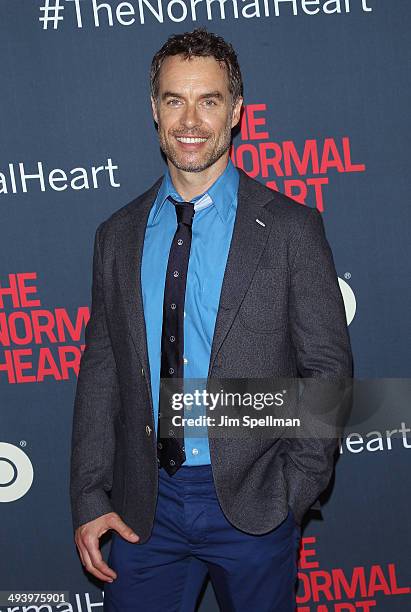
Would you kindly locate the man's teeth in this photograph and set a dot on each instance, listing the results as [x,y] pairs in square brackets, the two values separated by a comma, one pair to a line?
[191,140]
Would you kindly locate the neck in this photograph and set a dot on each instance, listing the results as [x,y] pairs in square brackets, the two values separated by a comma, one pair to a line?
[191,184]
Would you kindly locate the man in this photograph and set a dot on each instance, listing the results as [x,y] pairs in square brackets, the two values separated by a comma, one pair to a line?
[207,274]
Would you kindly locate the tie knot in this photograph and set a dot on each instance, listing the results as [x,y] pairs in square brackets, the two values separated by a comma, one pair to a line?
[184,211]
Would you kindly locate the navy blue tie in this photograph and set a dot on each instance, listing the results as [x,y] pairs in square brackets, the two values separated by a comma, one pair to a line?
[170,439]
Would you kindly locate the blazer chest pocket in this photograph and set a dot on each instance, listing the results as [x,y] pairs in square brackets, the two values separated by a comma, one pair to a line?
[264,307]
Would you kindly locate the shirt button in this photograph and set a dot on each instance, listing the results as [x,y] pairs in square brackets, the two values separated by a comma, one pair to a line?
[171,370]
[173,306]
[148,430]
[175,273]
[180,241]
[195,451]
[142,372]
[172,338]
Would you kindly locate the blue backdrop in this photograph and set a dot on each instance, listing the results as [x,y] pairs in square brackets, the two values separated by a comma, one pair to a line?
[327,96]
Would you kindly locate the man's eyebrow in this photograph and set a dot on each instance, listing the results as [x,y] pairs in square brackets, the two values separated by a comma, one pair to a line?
[170,94]
[211,94]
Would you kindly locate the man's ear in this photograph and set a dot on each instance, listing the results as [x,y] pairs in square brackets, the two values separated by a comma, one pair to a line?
[154,109]
[236,112]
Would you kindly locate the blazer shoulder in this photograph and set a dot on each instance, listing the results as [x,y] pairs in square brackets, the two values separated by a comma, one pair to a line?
[118,217]
[278,204]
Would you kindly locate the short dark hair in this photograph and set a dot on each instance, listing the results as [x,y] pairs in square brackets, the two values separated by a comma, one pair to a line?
[199,43]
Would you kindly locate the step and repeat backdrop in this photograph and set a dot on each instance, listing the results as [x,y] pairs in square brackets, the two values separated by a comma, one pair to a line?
[326,121]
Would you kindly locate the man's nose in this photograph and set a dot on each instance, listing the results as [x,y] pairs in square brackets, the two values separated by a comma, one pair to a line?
[190,117]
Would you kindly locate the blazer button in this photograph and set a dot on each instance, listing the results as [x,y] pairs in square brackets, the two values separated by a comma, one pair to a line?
[148,430]
[142,372]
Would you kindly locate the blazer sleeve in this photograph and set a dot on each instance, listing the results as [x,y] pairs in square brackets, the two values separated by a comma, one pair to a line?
[323,355]
[96,402]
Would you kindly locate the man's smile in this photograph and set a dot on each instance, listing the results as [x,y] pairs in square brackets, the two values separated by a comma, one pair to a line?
[190,140]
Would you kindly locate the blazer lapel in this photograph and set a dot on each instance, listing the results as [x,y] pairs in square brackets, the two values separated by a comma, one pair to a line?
[129,253]
[247,244]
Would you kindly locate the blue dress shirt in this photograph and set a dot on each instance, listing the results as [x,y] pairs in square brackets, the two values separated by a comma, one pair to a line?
[212,229]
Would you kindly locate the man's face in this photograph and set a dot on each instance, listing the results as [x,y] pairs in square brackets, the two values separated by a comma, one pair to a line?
[194,112]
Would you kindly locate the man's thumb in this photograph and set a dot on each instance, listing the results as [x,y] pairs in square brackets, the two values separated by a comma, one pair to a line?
[126,532]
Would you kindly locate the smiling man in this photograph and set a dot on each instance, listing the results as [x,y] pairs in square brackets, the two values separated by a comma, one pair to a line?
[208,274]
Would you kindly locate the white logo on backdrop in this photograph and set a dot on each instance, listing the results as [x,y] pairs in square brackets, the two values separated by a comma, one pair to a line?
[16,472]
[349,300]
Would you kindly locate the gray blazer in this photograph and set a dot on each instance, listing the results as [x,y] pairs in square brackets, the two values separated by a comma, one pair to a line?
[280,313]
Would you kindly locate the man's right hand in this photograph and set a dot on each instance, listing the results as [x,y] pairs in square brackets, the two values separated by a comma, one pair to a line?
[87,540]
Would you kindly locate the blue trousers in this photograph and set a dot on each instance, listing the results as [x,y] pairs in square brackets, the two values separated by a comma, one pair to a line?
[191,537]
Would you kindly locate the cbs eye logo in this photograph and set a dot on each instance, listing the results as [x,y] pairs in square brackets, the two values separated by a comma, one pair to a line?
[349,300]
[16,472]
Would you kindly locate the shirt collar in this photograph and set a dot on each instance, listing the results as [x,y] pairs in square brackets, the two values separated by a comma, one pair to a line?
[221,193]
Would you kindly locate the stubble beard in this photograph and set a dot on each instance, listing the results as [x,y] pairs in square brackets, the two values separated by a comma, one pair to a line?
[196,165]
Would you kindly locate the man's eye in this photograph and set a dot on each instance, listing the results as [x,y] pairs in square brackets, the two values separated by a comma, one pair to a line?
[173,102]
[209,102]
